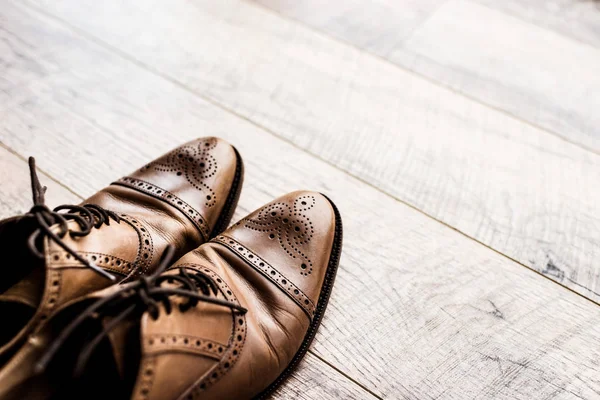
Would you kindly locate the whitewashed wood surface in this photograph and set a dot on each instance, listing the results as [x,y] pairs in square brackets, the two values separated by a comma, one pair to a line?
[579,19]
[382,25]
[419,311]
[15,185]
[534,72]
[516,188]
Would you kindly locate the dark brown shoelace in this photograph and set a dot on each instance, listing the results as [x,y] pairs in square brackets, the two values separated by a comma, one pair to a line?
[143,295]
[87,217]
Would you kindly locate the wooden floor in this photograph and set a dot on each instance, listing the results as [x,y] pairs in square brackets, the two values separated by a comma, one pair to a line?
[459,138]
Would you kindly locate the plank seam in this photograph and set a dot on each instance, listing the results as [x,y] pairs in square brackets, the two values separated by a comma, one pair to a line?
[324,361]
[52,178]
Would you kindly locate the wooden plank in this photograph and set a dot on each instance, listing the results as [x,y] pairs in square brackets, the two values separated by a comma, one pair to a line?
[418,311]
[533,73]
[16,187]
[318,381]
[380,26]
[528,71]
[513,187]
[577,19]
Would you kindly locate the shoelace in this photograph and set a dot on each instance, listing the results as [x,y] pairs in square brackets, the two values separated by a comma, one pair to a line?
[87,217]
[143,295]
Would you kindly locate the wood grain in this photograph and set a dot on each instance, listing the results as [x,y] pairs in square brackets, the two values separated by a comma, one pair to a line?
[531,72]
[418,311]
[379,26]
[315,380]
[579,19]
[536,74]
[515,188]
[16,187]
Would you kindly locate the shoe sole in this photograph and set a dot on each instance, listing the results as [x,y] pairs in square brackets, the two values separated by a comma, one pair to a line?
[232,198]
[332,267]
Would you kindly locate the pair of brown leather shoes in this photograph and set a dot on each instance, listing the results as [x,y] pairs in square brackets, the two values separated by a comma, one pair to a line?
[137,293]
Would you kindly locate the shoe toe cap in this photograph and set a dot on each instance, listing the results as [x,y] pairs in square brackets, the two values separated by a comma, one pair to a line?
[291,239]
[195,178]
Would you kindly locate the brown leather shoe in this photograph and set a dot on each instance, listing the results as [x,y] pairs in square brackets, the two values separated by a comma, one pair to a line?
[229,320]
[55,257]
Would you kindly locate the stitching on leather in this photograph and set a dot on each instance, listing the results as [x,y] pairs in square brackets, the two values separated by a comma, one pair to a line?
[145,253]
[54,276]
[236,343]
[155,191]
[48,303]
[146,380]
[159,343]
[258,263]
[106,261]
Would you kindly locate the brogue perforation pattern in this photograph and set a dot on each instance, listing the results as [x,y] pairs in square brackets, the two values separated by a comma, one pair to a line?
[105,261]
[145,253]
[290,226]
[48,304]
[288,287]
[236,340]
[195,163]
[193,344]
[191,213]
[147,378]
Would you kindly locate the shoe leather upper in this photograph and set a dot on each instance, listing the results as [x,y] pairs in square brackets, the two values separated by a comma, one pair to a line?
[178,199]
[273,263]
